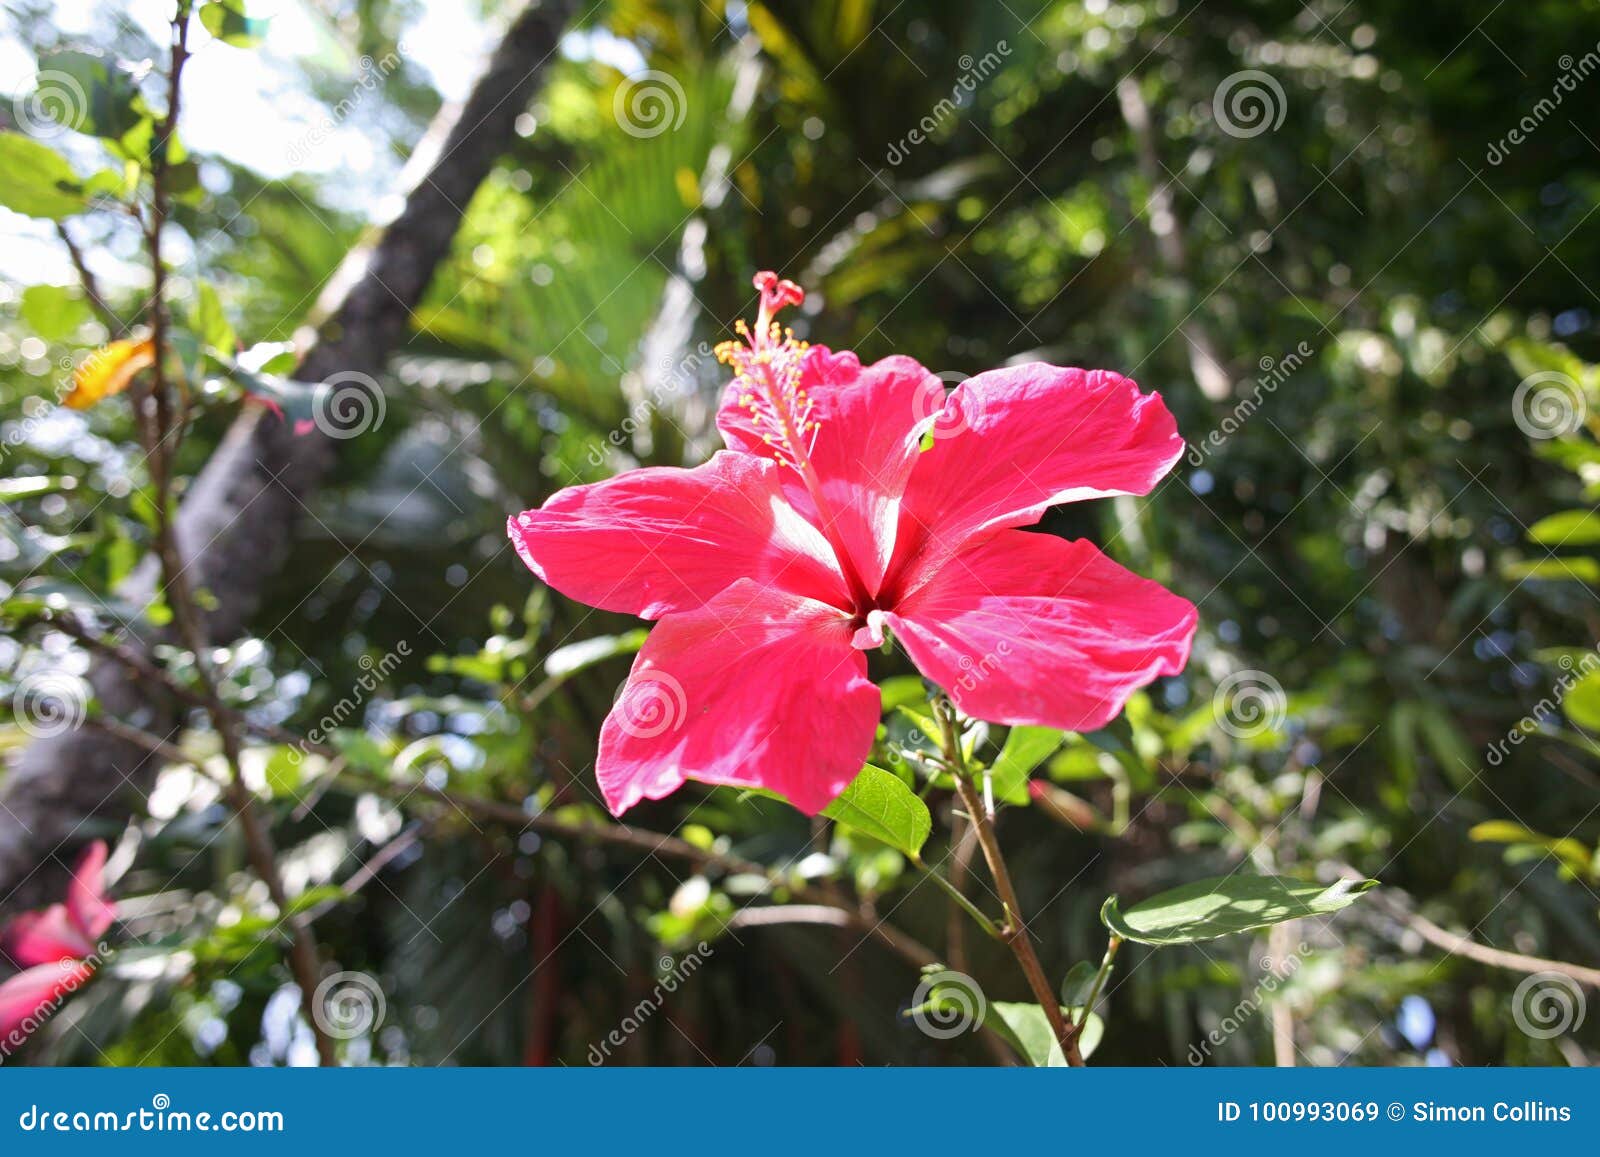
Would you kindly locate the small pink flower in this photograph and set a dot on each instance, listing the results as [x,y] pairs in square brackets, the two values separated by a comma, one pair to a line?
[57,947]
[826,524]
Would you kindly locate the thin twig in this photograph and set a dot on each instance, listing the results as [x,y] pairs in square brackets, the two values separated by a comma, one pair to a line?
[91,284]
[162,438]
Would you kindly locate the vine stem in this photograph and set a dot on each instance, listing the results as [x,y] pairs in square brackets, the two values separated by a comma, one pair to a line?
[1014,932]
[161,439]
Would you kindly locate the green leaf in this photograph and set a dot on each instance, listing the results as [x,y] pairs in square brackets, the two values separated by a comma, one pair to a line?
[880,805]
[1582,702]
[31,486]
[283,773]
[1583,570]
[1025,749]
[88,93]
[1567,528]
[38,180]
[210,322]
[1026,1029]
[1224,905]
[226,20]
[1075,985]
[53,312]
[574,657]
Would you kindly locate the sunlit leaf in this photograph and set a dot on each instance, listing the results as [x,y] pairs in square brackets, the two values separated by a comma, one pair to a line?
[879,804]
[1207,909]
[38,180]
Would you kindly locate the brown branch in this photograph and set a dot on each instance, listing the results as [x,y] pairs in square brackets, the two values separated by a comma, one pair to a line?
[1456,944]
[91,284]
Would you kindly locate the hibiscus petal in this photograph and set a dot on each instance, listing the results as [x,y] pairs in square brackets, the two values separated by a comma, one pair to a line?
[665,539]
[34,994]
[870,427]
[1027,628]
[91,912]
[759,688]
[1013,442]
[45,937]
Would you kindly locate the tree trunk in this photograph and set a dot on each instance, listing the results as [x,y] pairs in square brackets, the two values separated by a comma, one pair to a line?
[236,522]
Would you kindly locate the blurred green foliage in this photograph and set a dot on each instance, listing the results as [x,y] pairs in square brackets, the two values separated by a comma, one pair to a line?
[1389,533]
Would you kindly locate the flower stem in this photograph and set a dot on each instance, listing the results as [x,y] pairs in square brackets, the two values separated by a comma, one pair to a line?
[961,901]
[1014,932]
[1099,980]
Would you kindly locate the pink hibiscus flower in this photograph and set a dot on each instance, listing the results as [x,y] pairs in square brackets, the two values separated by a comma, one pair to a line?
[827,524]
[56,948]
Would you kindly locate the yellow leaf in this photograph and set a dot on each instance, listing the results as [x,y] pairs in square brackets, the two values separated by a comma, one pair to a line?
[108,371]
